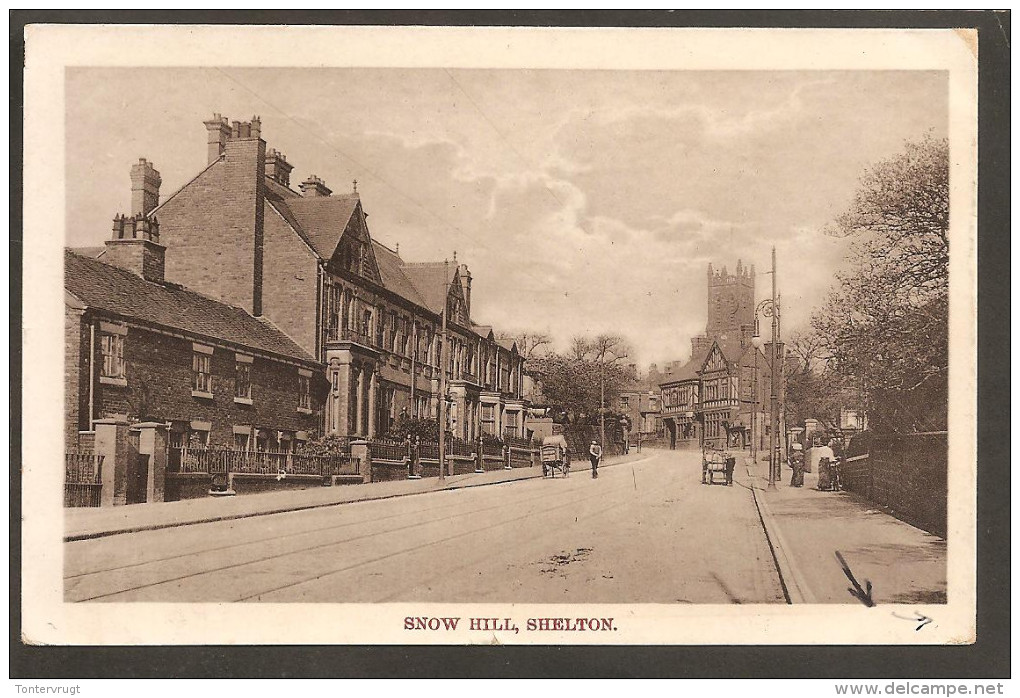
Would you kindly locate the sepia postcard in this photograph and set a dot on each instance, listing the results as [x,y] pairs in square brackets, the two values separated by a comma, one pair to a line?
[518,336]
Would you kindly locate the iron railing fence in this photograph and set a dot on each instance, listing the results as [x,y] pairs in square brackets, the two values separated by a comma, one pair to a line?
[219,461]
[383,449]
[83,479]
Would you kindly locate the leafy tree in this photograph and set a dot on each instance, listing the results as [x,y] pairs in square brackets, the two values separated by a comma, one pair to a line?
[574,380]
[325,446]
[884,326]
[422,428]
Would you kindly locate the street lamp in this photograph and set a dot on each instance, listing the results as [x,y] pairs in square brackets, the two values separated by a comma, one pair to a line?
[770,308]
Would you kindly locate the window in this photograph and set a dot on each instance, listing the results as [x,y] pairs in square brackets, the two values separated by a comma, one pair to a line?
[113,355]
[305,391]
[625,401]
[489,418]
[241,442]
[201,368]
[198,434]
[242,379]
[366,324]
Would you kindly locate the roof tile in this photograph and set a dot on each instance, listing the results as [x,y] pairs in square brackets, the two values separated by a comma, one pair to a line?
[105,287]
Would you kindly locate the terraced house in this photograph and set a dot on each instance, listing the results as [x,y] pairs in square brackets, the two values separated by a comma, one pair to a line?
[360,326]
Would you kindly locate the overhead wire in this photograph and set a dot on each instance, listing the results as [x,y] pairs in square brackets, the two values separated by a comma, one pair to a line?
[339,151]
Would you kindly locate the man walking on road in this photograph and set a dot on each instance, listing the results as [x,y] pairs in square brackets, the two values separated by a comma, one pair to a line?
[595,454]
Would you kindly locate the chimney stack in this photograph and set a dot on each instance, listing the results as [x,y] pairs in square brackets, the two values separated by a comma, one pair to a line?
[145,181]
[313,186]
[277,167]
[465,280]
[219,132]
[134,246]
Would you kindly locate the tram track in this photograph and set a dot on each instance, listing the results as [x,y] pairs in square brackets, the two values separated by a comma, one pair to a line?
[418,547]
[264,539]
[320,546]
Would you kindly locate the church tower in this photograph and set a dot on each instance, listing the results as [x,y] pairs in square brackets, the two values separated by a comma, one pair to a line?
[730,301]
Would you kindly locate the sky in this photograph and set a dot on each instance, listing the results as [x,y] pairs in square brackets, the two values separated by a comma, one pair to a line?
[583,201]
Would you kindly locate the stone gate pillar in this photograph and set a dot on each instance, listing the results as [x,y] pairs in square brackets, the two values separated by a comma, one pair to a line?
[111,442]
[152,442]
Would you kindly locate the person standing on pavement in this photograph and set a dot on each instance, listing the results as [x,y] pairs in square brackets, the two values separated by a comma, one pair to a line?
[797,463]
[824,456]
[595,455]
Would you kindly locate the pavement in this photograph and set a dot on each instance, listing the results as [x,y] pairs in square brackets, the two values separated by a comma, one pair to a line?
[806,528]
[85,523]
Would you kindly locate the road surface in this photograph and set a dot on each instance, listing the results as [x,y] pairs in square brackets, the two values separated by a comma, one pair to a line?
[646,531]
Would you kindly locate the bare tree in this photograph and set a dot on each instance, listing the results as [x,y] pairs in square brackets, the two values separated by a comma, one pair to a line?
[581,348]
[529,343]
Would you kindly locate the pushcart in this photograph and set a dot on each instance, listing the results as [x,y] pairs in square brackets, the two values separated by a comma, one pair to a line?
[555,457]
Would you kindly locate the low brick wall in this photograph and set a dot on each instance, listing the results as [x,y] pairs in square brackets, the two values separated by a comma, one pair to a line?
[463,467]
[906,473]
[386,471]
[196,485]
[256,485]
[186,486]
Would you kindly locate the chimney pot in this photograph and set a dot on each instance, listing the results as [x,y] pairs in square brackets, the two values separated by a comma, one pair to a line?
[313,187]
[277,167]
[135,247]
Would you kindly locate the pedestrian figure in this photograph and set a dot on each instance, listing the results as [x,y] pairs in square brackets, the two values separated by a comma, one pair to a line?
[824,456]
[595,455]
[731,463]
[797,463]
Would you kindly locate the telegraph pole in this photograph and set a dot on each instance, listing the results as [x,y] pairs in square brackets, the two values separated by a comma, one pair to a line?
[442,375]
[774,397]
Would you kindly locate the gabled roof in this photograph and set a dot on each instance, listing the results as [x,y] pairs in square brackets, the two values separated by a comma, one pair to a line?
[482,330]
[319,220]
[105,287]
[323,219]
[689,371]
[433,280]
[730,349]
[391,270]
[507,343]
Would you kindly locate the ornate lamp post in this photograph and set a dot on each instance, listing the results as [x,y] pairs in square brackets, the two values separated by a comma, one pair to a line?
[770,308]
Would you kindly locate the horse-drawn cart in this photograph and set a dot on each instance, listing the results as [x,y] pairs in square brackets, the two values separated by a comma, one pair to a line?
[715,465]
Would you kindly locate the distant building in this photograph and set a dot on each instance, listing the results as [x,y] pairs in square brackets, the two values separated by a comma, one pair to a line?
[641,405]
[711,399]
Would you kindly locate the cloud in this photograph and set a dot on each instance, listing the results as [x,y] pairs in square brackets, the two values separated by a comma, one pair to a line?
[583,201]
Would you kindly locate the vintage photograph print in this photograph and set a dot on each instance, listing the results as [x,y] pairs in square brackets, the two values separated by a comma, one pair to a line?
[501,335]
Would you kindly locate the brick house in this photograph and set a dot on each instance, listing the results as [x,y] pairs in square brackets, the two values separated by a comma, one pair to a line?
[642,404]
[142,349]
[305,264]
[710,399]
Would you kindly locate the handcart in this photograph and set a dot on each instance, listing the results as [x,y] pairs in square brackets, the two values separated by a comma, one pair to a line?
[555,456]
